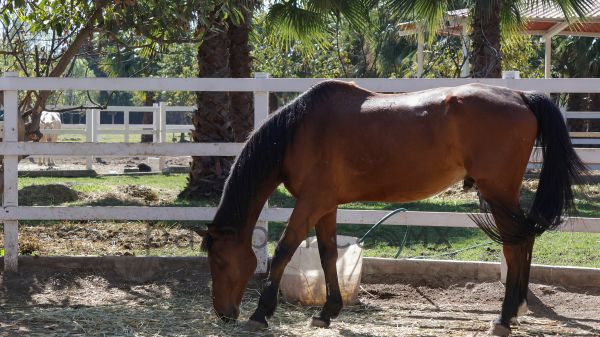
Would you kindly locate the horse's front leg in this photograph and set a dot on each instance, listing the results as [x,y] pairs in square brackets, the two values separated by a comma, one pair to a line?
[327,240]
[303,218]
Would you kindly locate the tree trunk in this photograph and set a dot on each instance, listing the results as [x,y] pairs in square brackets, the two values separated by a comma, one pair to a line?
[84,35]
[485,36]
[147,117]
[240,64]
[212,120]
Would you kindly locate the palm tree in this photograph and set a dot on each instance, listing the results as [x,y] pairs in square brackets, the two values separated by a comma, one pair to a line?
[306,21]
[221,116]
[212,120]
[240,65]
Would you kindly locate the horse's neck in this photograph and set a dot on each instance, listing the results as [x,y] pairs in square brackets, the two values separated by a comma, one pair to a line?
[254,205]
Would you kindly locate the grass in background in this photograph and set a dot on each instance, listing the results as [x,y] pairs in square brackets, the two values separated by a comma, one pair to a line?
[554,248]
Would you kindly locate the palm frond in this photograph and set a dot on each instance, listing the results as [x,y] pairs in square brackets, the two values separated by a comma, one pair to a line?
[287,22]
[429,15]
[570,8]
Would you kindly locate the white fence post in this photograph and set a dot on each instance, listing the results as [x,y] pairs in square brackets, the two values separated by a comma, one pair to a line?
[162,112]
[155,123]
[11,227]
[260,237]
[503,267]
[96,114]
[126,124]
[89,135]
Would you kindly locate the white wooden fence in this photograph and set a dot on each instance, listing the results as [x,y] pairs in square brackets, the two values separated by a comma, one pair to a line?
[10,148]
[93,129]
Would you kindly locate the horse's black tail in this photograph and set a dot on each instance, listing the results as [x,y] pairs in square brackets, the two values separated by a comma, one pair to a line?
[561,167]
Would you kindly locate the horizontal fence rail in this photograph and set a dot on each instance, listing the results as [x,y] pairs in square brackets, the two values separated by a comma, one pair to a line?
[555,85]
[11,148]
[344,216]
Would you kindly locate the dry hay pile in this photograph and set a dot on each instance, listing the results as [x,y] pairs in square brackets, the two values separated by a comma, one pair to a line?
[50,194]
[179,305]
[107,238]
[142,192]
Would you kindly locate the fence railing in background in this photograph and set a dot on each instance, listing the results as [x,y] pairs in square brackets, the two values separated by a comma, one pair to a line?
[93,129]
[11,148]
[584,138]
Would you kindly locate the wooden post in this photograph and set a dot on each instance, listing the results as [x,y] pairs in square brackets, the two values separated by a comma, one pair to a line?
[11,227]
[420,47]
[548,57]
[89,135]
[96,113]
[155,123]
[503,268]
[162,112]
[261,234]
[466,67]
[126,124]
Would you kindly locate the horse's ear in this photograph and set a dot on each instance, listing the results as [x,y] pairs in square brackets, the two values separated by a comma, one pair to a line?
[201,231]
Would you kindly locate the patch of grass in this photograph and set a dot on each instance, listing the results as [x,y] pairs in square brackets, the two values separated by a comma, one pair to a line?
[554,248]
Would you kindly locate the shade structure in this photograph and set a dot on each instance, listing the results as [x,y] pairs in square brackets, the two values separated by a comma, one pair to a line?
[543,20]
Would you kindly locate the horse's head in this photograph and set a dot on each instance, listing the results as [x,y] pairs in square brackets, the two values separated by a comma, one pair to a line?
[232,263]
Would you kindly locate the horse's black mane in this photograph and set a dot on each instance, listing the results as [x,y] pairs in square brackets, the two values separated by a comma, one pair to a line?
[261,157]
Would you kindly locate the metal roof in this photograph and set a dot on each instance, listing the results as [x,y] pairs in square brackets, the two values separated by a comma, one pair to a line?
[540,20]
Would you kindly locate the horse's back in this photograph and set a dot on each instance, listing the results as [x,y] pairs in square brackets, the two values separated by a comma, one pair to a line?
[403,147]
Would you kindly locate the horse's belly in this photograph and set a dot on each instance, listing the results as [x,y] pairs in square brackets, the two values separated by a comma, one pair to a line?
[402,185]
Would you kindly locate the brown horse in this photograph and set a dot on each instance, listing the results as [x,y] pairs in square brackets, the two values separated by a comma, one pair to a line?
[339,143]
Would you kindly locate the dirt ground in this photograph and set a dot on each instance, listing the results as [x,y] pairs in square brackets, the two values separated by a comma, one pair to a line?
[179,305]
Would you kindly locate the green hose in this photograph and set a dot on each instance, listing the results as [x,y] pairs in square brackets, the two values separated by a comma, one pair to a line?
[403,243]
[387,216]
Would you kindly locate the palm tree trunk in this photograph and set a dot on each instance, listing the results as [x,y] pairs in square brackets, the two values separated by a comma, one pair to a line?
[485,36]
[212,119]
[240,65]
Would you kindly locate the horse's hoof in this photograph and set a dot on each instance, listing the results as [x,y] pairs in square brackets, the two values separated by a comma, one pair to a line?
[251,325]
[499,330]
[318,322]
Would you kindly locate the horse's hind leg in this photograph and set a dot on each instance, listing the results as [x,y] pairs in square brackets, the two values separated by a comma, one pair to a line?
[327,240]
[305,215]
[504,204]
[527,250]
[518,261]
